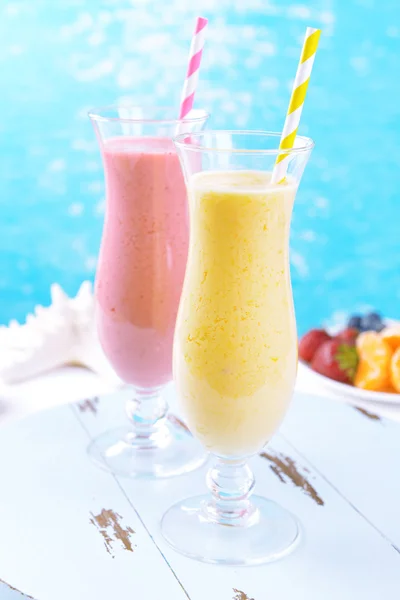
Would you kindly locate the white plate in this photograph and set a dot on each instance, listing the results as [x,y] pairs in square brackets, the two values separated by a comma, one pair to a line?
[349,391]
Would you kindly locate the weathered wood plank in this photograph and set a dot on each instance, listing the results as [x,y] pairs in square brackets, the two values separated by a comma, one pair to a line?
[60,515]
[342,555]
[357,452]
[66,529]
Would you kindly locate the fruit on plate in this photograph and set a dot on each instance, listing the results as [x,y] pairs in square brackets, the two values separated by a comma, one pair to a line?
[310,342]
[391,335]
[348,335]
[370,322]
[389,389]
[373,370]
[337,360]
[365,354]
[395,370]
[354,322]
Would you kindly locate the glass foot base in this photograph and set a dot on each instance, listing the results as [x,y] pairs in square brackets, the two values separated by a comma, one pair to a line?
[273,533]
[173,452]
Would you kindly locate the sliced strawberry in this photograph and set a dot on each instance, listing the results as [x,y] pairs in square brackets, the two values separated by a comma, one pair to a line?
[348,335]
[337,360]
[310,342]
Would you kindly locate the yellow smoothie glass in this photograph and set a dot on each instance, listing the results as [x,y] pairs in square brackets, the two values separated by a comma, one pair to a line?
[235,346]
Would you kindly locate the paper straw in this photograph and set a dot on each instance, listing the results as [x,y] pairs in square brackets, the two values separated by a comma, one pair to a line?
[296,103]
[192,75]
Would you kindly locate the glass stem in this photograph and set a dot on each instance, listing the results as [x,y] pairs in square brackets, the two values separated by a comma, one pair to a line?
[231,484]
[146,412]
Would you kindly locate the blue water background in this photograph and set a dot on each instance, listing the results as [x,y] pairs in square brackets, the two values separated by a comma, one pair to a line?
[59,58]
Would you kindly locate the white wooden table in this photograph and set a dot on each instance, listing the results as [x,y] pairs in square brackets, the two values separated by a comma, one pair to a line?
[70,531]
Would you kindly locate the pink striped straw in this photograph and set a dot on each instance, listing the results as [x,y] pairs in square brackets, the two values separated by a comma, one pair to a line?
[192,75]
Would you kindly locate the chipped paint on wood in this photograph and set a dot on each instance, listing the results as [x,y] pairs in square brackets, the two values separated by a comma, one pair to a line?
[285,469]
[13,589]
[107,522]
[368,414]
[309,439]
[89,405]
[239,595]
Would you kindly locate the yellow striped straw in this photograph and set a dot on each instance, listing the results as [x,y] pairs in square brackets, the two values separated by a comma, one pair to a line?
[296,103]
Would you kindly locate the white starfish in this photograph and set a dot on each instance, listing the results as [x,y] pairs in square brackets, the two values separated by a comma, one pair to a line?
[60,334]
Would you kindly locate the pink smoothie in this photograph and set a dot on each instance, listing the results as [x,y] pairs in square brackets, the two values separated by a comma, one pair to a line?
[142,258]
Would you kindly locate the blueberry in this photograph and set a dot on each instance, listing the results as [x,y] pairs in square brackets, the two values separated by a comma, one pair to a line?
[354,322]
[372,322]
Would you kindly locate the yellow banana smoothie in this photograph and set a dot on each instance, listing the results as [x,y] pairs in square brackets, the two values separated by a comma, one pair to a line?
[235,352]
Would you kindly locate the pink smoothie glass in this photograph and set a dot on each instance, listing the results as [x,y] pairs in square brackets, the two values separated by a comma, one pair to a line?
[139,281]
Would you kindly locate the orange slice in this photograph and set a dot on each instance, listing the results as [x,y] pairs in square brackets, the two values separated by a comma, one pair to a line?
[391,335]
[395,370]
[389,389]
[373,370]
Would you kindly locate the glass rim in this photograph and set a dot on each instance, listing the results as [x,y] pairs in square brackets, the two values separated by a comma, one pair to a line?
[307,143]
[98,114]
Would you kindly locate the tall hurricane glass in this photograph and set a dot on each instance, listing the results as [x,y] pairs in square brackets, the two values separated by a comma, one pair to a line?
[235,349]
[139,281]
